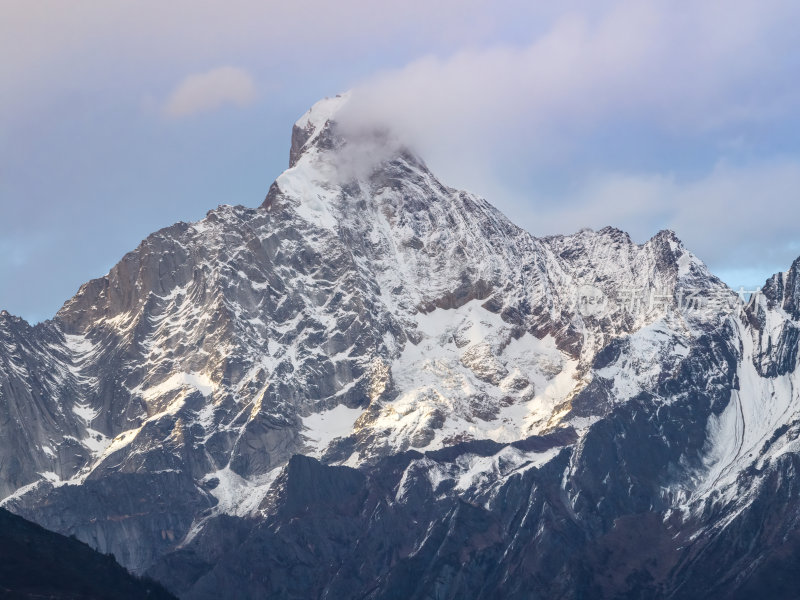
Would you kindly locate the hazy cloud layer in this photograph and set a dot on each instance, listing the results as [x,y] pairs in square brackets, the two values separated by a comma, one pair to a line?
[211,90]
[696,68]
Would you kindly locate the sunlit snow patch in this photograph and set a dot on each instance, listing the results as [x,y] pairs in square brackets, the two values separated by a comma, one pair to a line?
[199,381]
[469,370]
[322,428]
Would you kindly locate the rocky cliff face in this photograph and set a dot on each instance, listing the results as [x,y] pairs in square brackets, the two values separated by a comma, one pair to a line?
[240,399]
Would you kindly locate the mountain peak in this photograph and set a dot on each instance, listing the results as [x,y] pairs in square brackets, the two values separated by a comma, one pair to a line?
[783,289]
[667,236]
[333,155]
[615,233]
[310,128]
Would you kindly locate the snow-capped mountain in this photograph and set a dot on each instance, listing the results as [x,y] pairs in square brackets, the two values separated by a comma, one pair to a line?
[376,386]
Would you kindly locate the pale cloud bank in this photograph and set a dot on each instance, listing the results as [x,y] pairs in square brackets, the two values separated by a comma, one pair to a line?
[687,67]
[209,91]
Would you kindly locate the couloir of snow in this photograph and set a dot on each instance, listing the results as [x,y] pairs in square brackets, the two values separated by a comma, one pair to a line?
[752,429]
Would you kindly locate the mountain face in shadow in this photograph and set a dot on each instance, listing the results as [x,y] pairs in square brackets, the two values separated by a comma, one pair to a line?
[36,563]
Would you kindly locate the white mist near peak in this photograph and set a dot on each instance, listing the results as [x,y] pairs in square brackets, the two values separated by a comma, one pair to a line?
[333,142]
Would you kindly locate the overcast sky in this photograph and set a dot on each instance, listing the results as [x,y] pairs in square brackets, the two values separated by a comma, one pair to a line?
[118,118]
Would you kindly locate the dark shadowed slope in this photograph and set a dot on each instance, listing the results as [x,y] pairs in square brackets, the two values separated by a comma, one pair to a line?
[37,563]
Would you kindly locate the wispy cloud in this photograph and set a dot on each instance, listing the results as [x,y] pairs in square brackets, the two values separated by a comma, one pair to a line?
[209,91]
[696,69]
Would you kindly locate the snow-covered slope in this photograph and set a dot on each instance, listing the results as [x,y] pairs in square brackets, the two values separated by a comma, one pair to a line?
[367,311]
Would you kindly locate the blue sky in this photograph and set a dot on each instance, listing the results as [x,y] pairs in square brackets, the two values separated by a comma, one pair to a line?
[119,118]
